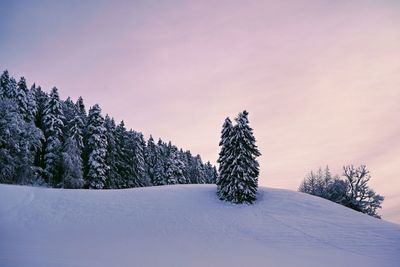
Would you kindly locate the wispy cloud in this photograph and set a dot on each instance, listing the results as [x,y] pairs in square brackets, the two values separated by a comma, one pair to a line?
[321,79]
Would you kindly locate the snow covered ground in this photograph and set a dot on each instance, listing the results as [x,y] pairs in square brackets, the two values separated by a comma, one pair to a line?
[186,226]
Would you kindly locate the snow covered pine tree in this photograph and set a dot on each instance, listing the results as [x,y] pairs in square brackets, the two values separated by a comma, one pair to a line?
[239,168]
[53,122]
[97,143]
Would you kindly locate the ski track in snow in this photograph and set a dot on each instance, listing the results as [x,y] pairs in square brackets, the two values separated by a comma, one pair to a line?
[186,225]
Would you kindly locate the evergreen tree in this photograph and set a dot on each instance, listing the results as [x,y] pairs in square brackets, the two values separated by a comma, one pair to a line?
[72,167]
[159,169]
[198,172]
[215,175]
[135,161]
[72,175]
[151,160]
[18,142]
[210,173]
[191,174]
[81,111]
[80,106]
[69,109]
[185,166]
[225,158]
[97,147]
[4,83]
[122,159]
[53,123]
[113,176]
[243,178]
[10,91]
[25,101]
[40,99]
[32,105]
[174,169]
[139,161]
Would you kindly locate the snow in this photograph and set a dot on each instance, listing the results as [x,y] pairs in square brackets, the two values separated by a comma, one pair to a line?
[186,225]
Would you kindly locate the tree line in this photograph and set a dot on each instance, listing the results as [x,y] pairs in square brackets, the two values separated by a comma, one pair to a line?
[47,141]
[351,191]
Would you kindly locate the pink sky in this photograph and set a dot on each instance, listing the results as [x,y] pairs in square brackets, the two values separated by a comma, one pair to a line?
[321,79]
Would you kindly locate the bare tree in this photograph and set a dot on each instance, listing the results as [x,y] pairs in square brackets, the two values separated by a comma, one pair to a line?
[352,191]
[359,196]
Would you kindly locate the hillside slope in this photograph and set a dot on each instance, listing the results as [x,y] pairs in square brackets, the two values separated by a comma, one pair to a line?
[186,226]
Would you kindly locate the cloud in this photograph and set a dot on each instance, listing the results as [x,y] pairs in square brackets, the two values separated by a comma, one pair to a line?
[321,79]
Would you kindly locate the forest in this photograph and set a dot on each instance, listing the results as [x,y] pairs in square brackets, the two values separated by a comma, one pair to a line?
[46,141]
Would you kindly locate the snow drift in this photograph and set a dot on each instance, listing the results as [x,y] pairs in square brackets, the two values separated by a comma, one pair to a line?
[186,226]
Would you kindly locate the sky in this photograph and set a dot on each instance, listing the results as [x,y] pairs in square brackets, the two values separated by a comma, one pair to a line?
[320,78]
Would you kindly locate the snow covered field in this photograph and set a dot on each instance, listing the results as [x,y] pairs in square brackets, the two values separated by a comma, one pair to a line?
[186,226]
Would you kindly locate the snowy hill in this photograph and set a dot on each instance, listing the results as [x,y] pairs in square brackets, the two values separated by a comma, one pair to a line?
[186,226]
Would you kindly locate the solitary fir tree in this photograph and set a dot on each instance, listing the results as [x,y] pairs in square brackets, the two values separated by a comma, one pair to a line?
[239,181]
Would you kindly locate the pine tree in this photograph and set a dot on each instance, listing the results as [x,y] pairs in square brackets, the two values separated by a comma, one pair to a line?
[32,104]
[69,109]
[159,169]
[25,101]
[8,86]
[72,167]
[72,175]
[81,111]
[10,91]
[174,169]
[139,162]
[122,159]
[185,166]
[4,83]
[242,181]
[210,173]
[225,159]
[80,106]
[199,171]
[134,159]
[97,147]
[53,123]
[191,173]
[113,176]
[215,175]
[40,99]
[151,160]
[18,141]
